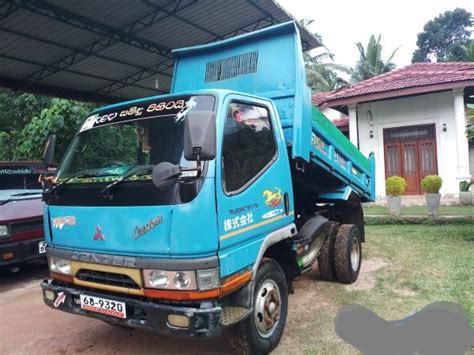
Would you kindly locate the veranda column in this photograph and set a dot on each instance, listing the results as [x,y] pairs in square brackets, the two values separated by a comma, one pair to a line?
[461,140]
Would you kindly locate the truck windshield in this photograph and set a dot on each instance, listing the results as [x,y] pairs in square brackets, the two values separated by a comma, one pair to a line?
[115,141]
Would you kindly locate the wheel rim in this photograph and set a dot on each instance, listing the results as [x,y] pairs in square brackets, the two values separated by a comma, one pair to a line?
[267,308]
[355,254]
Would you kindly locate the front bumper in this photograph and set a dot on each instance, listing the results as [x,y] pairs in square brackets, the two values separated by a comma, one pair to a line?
[23,251]
[142,314]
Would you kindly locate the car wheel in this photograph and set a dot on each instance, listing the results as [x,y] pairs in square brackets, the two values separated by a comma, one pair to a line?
[261,332]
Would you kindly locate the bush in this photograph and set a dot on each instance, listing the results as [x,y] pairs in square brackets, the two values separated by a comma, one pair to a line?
[431,184]
[395,185]
[464,186]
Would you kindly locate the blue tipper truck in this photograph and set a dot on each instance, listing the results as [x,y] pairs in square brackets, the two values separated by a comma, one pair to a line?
[194,211]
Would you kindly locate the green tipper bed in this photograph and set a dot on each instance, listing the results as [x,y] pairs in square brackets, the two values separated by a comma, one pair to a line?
[339,140]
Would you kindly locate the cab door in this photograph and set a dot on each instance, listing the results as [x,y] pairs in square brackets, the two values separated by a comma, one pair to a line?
[253,180]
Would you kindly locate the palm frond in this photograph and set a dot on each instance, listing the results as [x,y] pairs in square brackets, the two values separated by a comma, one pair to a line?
[370,62]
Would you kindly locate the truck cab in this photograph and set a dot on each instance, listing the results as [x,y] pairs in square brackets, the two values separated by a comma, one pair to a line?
[188,212]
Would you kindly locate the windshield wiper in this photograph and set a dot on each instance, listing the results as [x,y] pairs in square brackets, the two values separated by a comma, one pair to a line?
[26,193]
[141,170]
[65,181]
[18,195]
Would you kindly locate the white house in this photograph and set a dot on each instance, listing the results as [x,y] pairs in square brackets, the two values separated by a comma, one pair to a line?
[414,121]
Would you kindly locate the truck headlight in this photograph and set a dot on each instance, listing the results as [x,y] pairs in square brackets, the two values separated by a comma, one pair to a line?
[182,280]
[60,266]
[158,279]
[170,280]
[3,231]
[208,279]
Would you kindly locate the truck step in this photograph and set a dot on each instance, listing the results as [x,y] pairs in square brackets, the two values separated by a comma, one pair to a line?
[232,315]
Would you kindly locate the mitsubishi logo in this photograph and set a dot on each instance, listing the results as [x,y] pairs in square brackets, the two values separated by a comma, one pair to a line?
[98,234]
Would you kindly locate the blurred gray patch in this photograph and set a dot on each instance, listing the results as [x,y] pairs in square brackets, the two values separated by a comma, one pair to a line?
[439,328]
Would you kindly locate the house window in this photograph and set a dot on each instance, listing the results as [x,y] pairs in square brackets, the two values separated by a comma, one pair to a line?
[409,133]
[249,145]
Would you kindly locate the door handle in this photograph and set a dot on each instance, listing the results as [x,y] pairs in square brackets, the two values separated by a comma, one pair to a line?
[286,203]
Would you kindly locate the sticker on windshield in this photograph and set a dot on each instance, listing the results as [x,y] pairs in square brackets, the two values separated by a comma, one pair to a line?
[178,107]
[89,122]
[190,104]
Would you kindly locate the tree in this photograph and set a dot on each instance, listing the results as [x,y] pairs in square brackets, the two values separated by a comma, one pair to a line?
[370,61]
[62,118]
[325,77]
[470,119]
[322,74]
[463,53]
[27,120]
[17,108]
[444,36]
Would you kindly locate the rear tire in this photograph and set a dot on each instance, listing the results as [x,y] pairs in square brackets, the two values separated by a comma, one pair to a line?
[348,253]
[326,264]
[261,332]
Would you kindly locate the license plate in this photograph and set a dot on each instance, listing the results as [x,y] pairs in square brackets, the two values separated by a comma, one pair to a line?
[42,247]
[104,306]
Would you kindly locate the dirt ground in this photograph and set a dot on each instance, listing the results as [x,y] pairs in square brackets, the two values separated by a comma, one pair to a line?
[404,269]
[29,326]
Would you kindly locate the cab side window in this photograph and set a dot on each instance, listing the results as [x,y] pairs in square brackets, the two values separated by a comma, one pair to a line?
[249,145]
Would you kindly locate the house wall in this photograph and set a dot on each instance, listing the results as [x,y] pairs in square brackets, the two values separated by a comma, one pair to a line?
[331,113]
[437,108]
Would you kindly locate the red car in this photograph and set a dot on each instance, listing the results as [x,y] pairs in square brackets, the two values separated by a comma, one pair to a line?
[21,213]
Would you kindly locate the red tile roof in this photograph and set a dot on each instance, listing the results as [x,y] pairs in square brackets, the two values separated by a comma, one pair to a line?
[412,79]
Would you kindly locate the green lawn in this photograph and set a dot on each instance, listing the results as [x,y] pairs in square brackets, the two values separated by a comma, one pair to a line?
[406,267]
[421,210]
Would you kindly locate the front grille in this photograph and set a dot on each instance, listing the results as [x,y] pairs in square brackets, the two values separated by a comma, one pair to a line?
[106,278]
[18,227]
[32,249]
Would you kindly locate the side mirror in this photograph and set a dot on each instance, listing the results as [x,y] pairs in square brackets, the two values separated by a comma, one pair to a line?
[48,153]
[165,174]
[200,136]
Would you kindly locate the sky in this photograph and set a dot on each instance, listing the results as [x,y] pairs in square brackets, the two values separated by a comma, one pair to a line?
[342,23]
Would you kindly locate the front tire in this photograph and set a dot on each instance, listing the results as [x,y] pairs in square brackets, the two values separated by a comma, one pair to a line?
[261,332]
[348,253]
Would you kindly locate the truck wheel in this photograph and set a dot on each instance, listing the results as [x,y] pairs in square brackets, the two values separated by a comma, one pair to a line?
[260,333]
[326,264]
[348,253]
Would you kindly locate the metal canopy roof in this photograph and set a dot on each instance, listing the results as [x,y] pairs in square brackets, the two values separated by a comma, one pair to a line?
[111,50]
